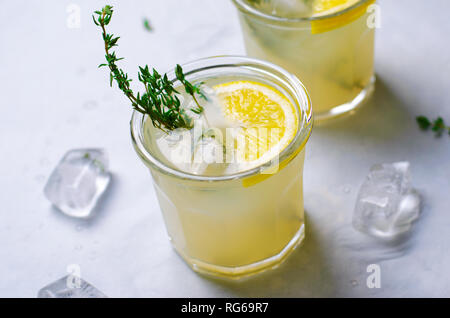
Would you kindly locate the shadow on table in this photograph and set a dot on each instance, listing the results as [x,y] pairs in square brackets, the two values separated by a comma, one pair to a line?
[309,272]
[384,128]
[304,274]
[383,118]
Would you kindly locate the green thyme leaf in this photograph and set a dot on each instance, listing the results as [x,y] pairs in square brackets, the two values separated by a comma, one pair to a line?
[438,125]
[158,100]
[424,122]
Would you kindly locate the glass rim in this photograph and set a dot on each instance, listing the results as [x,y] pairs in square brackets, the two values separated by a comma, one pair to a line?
[300,139]
[247,8]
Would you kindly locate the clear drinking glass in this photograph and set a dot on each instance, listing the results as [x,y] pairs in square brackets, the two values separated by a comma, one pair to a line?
[238,224]
[333,55]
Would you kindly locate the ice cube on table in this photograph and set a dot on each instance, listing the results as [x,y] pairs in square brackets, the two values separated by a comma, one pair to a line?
[386,204]
[70,287]
[78,181]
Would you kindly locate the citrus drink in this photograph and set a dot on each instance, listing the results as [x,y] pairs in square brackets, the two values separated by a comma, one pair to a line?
[328,44]
[231,188]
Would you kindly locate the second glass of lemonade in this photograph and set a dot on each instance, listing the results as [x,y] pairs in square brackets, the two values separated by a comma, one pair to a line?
[328,44]
[230,188]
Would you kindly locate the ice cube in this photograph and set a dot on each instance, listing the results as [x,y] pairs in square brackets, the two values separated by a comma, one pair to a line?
[208,157]
[291,7]
[78,181]
[189,106]
[199,149]
[176,146]
[386,205]
[285,8]
[212,115]
[215,118]
[70,286]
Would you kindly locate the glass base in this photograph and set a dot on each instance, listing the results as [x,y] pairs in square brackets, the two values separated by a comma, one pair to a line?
[347,108]
[235,273]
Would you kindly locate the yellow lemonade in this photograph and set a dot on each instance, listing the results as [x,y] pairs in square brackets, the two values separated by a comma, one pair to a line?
[230,188]
[328,44]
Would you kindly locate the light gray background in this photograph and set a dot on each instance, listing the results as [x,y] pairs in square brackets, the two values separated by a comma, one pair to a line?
[54,98]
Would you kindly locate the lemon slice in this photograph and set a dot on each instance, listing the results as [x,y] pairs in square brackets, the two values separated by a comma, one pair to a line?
[328,7]
[324,7]
[268,120]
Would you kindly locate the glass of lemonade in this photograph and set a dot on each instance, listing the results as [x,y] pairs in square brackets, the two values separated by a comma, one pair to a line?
[230,188]
[328,44]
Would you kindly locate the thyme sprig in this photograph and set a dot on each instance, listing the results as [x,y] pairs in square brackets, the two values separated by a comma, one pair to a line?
[190,89]
[159,100]
[438,125]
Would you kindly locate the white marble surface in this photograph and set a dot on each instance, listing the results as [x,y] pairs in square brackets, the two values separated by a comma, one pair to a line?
[54,98]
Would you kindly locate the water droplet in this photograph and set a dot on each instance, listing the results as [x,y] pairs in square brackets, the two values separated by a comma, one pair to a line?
[73,121]
[347,189]
[39,178]
[44,162]
[48,141]
[93,256]
[90,104]
[79,228]
[354,282]
[81,71]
